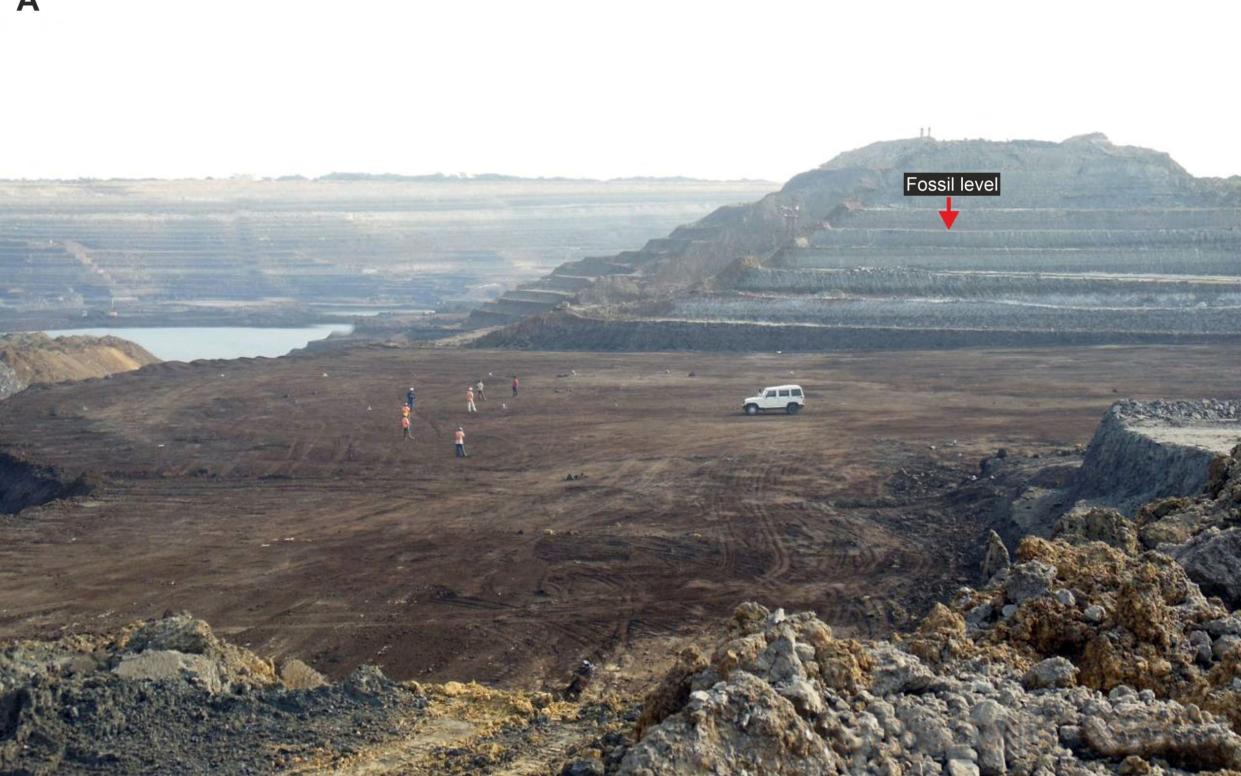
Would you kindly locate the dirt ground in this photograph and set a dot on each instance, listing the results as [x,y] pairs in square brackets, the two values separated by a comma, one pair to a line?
[277,500]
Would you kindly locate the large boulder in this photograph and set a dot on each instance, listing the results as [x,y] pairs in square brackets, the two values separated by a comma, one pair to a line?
[165,665]
[184,634]
[742,726]
[1213,560]
[1029,580]
[1098,524]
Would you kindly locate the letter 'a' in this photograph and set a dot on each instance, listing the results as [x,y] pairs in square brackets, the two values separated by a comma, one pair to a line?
[21,4]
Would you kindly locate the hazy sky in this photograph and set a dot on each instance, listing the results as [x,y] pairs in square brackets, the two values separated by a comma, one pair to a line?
[601,89]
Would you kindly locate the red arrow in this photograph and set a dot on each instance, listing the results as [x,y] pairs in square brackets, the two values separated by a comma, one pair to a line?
[948,214]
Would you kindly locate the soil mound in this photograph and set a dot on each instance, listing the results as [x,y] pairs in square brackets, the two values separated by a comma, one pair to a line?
[35,358]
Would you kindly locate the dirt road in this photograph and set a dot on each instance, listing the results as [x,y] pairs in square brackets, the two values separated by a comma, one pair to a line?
[277,500]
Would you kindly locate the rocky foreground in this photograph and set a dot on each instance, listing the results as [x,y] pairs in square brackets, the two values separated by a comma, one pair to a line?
[1088,654]
[1111,647]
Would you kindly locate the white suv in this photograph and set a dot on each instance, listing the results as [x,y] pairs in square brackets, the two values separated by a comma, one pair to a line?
[780,397]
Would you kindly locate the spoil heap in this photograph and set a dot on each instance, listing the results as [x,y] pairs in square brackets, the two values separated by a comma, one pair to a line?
[169,695]
[35,358]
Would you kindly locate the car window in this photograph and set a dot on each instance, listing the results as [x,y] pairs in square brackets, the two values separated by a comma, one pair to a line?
[784,392]
[770,395]
[797,392]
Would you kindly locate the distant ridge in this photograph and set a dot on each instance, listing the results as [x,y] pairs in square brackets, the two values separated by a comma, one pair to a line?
[808,254]
[381,177]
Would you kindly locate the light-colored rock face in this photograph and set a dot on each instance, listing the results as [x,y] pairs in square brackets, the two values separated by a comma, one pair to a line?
[1213,437]
[166,665]
[296,675]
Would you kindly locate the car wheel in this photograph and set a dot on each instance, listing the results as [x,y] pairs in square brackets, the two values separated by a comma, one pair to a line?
[751,409]
[793,408]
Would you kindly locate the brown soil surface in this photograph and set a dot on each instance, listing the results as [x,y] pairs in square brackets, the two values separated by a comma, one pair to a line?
[276,499]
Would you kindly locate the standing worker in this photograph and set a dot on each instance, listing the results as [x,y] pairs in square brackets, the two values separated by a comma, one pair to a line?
[409,397]
[516,384]
[405,432]
[479,388]
[458,439]
[469,400]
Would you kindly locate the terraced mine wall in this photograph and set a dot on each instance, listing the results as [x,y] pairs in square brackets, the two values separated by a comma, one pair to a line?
[87,245]
[1131,289]
[1143,451]
[1066,316]
[1088,237]
[570,331]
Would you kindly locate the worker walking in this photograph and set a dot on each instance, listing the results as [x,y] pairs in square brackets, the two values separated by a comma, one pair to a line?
[409,397]
[458,439]
[469,400]
[479,389]
[405,432]
[516,384]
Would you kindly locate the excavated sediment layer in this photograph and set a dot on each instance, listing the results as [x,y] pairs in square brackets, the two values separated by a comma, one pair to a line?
[1143,451]
[568,330]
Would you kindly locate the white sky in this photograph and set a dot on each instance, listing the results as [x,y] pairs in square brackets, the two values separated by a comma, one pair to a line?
[170,88]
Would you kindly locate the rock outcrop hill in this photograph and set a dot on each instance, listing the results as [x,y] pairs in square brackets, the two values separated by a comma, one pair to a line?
[1089,240]
[30,359]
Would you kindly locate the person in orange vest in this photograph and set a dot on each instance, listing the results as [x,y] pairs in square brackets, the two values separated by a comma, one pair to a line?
[458,439]
[469,400]
[516,384]
[405,410]
[405,432]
